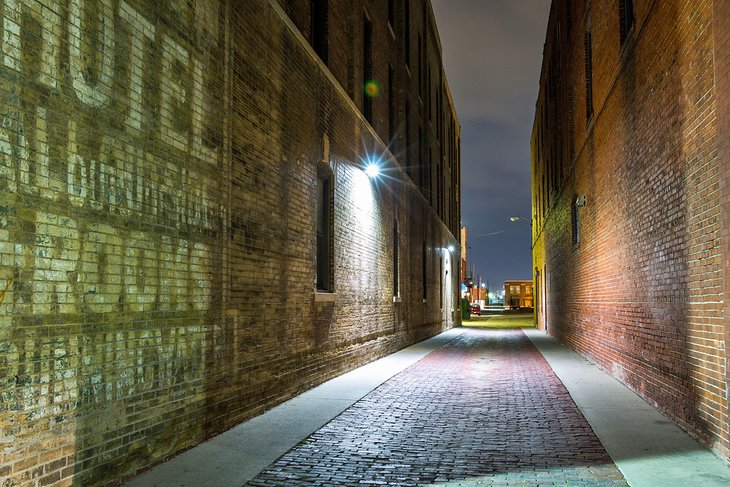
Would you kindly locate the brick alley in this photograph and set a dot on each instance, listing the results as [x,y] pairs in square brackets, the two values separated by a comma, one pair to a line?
[486,404]
[486,408]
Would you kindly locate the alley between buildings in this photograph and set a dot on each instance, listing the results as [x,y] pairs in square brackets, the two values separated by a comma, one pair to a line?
[486,407]
[481,406]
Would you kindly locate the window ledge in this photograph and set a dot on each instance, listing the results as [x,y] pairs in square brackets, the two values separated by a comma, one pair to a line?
[396,299]
[324,296]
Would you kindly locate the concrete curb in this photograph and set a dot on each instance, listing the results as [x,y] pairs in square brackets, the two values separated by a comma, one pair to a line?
[648,448]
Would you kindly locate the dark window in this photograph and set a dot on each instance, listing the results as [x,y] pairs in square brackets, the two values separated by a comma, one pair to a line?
[396,280]
[575,219]
[324,231]
[391,107]
[571,128]
[407,31]
[420,66]
[626,18]
[421,169]
[367,68]
[441,282]
[429,179]
[439,189]
[424,271]
[319,28]
[409,155]
[589,74]
[429,94]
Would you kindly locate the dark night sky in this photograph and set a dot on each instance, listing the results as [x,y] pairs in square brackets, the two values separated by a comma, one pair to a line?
[492,52]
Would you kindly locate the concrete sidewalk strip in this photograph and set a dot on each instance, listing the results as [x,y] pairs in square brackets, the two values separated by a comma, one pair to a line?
[238,455]
[649,449]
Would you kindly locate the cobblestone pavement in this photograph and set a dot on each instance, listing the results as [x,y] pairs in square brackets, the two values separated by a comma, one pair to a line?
[485,409]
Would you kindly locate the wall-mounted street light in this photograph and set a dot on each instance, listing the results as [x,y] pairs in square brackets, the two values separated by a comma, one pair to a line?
[372,170]
[517,218]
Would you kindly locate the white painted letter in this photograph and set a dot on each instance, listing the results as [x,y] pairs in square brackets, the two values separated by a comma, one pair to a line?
[173,92]
[51,22]
[77,178]
[198,148]
[13,151]
[139,29]
[98,94]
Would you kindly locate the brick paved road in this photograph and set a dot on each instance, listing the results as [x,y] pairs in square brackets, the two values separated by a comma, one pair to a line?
[486,409]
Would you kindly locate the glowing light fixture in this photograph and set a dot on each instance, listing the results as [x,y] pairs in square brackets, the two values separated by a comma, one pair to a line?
[450,248]
[372,170]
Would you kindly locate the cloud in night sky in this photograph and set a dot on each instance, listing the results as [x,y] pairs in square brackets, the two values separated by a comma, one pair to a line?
[492,53]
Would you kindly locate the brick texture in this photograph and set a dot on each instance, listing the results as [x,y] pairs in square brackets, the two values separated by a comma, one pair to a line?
[158,168]
[642,291]
[485,409]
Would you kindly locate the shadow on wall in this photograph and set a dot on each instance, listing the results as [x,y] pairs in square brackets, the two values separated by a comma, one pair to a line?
[661,236]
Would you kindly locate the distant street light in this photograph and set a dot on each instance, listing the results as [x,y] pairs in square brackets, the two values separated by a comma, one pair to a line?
[517,218]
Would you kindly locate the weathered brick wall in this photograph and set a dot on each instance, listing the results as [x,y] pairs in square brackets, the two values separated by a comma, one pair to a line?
[158,170]
[430,151]
[721,30]
[642,293]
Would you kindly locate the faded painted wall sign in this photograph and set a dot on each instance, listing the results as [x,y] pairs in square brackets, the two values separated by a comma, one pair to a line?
[110,202]
[109,118]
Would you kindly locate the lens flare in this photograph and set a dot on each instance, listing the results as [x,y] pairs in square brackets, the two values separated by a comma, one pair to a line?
[372,88]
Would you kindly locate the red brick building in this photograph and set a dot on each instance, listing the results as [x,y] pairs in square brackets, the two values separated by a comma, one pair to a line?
[631,198]
[187,234]
[518,294]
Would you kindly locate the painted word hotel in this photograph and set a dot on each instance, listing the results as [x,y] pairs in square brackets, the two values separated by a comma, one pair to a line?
[187,233]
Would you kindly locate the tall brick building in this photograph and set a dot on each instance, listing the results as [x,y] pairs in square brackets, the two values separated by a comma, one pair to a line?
[630,198]
[187,235]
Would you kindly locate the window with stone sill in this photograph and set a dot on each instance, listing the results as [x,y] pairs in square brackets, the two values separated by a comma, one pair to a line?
[324,230]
